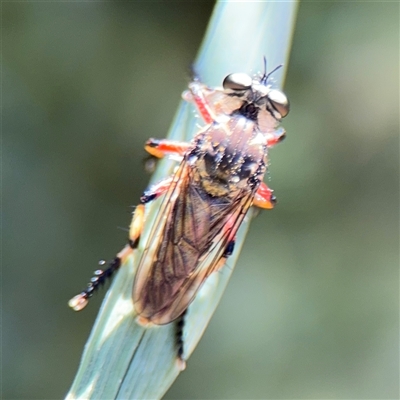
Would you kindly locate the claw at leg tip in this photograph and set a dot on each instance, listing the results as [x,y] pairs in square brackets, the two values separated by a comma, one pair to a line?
[78,302]
[181,363]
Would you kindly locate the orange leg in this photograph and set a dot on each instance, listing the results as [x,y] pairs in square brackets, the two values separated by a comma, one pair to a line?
[80,301]
[275,137]
[195,95]
[155,191]
[163,147]
[264,197]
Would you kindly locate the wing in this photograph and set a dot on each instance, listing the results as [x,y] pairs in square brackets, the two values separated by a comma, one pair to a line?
[189,236]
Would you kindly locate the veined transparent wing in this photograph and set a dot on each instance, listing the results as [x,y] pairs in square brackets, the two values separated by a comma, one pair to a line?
[189,236]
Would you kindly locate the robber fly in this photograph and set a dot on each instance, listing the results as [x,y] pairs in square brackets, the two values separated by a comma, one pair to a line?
[219,177]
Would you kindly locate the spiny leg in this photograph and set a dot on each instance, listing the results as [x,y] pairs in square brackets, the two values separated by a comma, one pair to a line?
[195,95]
[264,197]
[275,137]
[80,301]
[164,147]
[228,252]
[179,342]
[160,148]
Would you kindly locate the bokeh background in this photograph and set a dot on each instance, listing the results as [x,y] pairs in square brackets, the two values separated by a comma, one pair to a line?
[312,309]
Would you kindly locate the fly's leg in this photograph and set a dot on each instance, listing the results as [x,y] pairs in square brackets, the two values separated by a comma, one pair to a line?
[80,301]
[163,147]
[230,245]
[195,95]
[180,323]
[228,252]
[155,191]
[100,276]
[275,137]
[264,197]
[159,148]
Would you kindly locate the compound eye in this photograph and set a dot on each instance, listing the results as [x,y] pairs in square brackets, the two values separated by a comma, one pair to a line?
[237,82]
[279,101]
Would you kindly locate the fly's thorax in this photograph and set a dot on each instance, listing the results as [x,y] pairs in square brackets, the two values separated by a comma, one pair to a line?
[230,157]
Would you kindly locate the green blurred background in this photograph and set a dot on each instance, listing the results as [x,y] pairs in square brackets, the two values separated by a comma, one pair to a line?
[312,309]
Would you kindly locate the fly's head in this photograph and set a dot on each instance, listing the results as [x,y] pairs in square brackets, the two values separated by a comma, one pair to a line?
[257,100]
[254,98]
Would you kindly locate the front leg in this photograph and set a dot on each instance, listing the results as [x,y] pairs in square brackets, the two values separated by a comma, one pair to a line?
[275,137]
[264,197]
[196,96]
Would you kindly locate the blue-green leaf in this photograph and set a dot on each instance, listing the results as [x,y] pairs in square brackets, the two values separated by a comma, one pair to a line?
[123,360]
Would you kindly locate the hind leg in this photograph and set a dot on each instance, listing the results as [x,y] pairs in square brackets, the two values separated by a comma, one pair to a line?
[100,276]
